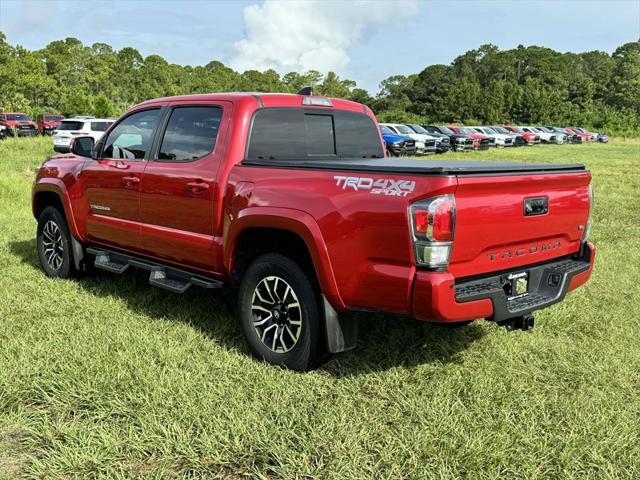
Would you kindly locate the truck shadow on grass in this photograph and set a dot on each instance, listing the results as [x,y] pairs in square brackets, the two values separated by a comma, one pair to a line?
[386,341]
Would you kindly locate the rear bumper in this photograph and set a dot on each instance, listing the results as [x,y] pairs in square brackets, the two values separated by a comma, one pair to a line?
[438,297]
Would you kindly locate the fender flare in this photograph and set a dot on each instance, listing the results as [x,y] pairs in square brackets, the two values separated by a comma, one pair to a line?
[57,186]
[294,221]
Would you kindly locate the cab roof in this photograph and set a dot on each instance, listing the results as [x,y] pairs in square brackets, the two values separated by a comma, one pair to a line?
[263,99]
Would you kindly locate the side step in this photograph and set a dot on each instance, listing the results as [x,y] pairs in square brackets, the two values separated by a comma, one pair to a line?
[172,279]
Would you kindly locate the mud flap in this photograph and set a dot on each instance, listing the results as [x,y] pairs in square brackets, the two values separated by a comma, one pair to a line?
[341,334]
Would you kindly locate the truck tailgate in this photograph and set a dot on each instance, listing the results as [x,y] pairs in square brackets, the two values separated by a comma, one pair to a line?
[494,232]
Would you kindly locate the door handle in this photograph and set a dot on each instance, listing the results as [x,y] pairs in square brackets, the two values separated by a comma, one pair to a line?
[130,181]
[198,186]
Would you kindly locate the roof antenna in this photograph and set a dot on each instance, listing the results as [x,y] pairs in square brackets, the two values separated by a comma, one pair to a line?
[306,91]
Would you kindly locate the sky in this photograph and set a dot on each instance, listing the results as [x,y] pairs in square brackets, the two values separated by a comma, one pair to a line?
[364,40]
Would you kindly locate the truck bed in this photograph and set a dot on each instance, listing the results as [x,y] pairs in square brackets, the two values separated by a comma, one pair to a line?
[418,166]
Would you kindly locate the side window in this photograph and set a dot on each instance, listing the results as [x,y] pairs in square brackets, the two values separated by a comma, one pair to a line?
[100,126]
[131,138]
[190,134]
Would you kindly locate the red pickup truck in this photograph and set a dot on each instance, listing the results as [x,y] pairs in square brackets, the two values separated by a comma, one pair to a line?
[290,198]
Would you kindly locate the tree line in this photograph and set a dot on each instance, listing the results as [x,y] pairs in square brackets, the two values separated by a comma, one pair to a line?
[524,85]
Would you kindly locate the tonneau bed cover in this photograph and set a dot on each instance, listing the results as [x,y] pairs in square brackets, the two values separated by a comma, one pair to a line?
[418,166]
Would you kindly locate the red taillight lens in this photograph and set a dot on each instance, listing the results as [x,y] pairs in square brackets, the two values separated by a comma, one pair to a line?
[443,220]
[434,218]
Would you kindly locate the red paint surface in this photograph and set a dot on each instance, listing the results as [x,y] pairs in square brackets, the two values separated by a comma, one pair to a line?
[360,243]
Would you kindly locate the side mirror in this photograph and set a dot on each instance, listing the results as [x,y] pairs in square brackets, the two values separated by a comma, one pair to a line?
[82,146]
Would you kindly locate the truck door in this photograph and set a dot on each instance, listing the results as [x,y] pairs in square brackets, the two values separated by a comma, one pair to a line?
[179,191]
[111,183]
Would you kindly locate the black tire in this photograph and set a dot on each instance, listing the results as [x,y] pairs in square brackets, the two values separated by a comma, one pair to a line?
[300,347]
[53,242]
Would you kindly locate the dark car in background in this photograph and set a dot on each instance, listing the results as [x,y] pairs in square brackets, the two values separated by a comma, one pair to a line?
[48,122]
[18,124]
[443,143]
[397,145]
[458,143]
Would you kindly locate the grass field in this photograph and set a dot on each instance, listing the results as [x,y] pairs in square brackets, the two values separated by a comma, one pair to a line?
[109,377]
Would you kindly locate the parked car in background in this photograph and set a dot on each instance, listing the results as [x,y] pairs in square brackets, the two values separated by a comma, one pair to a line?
[584,137]
[480,140]
[592,136]
[571,137]
[397,145]
[18,124]
[599,137]
[74,127]
[459,143]
[529,137]
[518,139]
[545,137]
[425,144]
[502,139]
[443,143]
[47,123]
[561,137]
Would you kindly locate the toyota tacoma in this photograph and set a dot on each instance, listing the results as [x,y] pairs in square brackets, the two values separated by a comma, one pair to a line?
[290,198]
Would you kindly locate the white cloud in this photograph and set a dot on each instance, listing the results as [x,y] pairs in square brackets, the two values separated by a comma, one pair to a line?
[312,34]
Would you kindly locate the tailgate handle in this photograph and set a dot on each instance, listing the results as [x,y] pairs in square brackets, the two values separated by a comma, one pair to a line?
[536,206]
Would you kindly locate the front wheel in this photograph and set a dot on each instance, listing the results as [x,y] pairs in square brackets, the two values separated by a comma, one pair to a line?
[280,313]
[54,244]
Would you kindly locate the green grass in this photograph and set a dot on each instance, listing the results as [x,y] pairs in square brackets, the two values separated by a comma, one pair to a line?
[109,377]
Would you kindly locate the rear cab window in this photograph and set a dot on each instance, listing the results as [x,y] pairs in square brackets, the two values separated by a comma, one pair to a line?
[299,133]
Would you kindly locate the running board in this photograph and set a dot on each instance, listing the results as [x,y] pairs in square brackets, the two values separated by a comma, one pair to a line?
[172,279]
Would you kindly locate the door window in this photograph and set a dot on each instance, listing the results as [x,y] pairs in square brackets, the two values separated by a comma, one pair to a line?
[190,134]
[131,138]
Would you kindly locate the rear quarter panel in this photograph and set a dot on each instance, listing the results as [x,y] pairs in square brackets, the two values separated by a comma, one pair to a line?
[364,236]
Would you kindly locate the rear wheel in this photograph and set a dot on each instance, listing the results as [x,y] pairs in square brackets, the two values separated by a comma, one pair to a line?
[53,242]
[280,313]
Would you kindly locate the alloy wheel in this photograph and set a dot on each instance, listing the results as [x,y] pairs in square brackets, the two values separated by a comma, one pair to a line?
[277,314]
[53,245]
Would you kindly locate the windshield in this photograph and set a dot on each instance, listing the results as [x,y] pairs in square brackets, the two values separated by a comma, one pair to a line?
[386,130]
[502,130]
[52,118]
[419,129]
[544,129]
[404,129]
[467,131]
[70,125]
[488,130]
[20,117]
[446,130]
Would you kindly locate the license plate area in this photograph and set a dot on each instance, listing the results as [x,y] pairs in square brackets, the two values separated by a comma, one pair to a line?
[515,285]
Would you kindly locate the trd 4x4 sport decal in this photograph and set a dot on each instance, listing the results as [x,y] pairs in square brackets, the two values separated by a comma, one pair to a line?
[380,186]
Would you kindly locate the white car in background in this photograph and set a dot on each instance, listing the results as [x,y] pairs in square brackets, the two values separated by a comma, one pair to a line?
[424,143]
[502,139]
[546,137]
[3,132]
[78,126]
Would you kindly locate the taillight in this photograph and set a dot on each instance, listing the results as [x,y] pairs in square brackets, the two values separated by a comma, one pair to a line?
[432,229]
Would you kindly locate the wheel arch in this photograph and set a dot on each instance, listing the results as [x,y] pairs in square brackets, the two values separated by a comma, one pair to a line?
[294,233]
[52,192]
